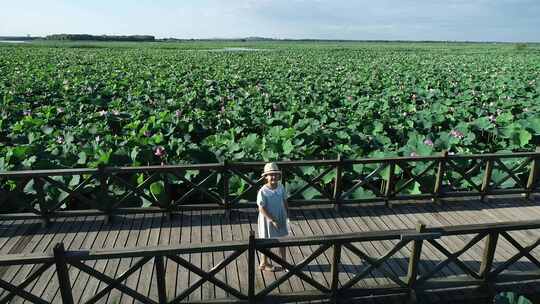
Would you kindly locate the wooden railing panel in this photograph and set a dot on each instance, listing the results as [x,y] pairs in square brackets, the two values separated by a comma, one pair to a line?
[234,185]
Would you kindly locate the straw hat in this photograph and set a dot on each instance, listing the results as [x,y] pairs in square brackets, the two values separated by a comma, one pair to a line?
[270,168]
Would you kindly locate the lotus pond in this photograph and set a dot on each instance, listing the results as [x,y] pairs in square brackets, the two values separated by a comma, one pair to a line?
[69,105]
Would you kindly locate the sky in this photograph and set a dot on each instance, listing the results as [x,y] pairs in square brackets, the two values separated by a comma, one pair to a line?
[450,20]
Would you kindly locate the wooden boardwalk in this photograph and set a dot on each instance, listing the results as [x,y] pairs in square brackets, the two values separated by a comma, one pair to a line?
[196,227]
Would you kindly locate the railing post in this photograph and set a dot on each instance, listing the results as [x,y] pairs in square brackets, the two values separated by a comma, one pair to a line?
[439,178]
[169,207]
[487,263]
[62,273]
[104,193]
[533,175]
[412,272]
[390,183]
[337,184]
[336,260]
[45,220]
[486,180]
[251,267]
[160,273]
[489,254]
[225,198]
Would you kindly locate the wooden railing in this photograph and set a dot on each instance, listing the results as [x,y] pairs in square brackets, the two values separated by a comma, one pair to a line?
[413,276]
[50,193]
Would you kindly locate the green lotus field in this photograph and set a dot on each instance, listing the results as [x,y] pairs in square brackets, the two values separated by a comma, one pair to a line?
[81,105]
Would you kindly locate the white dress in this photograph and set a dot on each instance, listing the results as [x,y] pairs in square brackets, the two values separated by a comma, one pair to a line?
[272,200]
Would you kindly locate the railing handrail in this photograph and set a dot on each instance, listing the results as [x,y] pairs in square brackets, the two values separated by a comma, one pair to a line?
[259,164]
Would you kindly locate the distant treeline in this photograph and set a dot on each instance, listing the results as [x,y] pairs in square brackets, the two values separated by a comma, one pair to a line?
[86,37]
[18,38]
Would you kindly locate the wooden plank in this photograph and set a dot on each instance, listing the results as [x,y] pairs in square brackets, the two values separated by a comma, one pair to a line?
[366,223]
[310,226]
[205,228]
[455,243]
[80,278]
[171,268]
[384,221]
[124,264]
[165,239]
[233,271]
[330,224]
[526,237]
[155,235]
[147,275]
[134,281]
[349,225]
[185,238]
[39,243]
[317,268]
[295,256]
[195,258]
[430,257]
[111,269]
[84,280]
[410,217]
[459,217]
[8,231]
[16,274]
[113,230]
[502,253]
[23,236]
[87,232]
[215,236]
[47,285]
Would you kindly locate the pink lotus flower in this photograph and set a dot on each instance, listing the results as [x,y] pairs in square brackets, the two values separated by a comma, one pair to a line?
[60,110]
[456,134]
[147,133]
[178,113]
[349,98]
[428,142]
[27,112]
[160,151]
